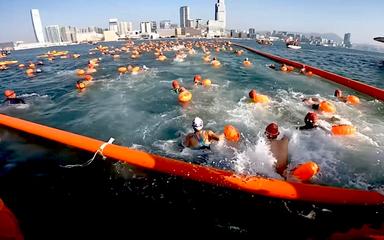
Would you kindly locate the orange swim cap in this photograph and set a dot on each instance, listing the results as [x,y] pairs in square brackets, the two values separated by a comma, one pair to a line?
[311,117]
[9,93]
[175,84]
[197,78]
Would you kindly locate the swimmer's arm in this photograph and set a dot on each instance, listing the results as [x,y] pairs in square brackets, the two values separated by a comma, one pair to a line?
[214,136]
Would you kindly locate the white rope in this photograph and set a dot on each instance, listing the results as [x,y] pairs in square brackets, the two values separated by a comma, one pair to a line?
[99,151]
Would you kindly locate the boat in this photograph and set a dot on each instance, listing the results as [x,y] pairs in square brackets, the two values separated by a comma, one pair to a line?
[293,44]
[293,47]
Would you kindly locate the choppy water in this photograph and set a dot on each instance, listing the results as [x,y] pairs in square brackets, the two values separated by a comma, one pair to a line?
[140,111]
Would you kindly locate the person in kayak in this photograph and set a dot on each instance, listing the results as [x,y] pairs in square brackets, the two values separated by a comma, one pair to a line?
[200,139]
[11,97]
[279,147]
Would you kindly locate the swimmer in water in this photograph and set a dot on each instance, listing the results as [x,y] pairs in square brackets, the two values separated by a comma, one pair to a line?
[200,139]
[279,147]
[11,98]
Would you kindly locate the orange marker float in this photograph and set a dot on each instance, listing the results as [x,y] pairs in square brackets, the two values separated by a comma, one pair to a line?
[122,70]
[231,133]
[343,130]
[305,171]
[327,107]
[206,82]
[80,72]
[185,96]
[353,100]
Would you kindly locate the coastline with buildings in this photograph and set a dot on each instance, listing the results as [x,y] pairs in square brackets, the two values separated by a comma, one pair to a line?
[57,35]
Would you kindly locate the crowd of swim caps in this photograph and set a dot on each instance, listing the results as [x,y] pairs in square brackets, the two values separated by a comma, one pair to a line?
[159,48]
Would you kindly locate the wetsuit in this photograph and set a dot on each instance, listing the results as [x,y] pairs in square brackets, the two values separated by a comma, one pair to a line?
[14,101]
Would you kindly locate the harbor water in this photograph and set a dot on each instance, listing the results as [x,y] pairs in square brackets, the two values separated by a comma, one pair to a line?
[140,111]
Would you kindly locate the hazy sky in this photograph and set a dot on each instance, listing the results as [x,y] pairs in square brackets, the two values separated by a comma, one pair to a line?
[363,18]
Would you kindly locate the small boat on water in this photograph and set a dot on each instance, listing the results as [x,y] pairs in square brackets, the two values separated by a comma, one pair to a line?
[293,47]
[293,44]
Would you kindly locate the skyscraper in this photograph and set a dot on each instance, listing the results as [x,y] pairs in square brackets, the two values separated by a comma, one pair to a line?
[145,27]
[37,26]
[125,28]
[184,16]
[53,33]
[153,26]
[113,25]
[68,34]
[220,12]
[347,40]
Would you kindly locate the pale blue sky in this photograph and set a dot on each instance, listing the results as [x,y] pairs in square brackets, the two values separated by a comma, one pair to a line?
[363,18]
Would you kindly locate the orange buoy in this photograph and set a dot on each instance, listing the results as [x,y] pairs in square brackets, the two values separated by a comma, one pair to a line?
[343,130]
[206,82]
[327,107]
[80,72]
[247,63]
[259,98]
[309,73]
[231,133]
[353,100]
[162,58]
[29,71]
[80,85]
[135,70]
[185,96]
[305,171]
[88,78]
[122,69]
[21,65]
[216,63]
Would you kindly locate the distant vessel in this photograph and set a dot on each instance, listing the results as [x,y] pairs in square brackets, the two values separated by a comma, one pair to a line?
[379,39]
[293,44]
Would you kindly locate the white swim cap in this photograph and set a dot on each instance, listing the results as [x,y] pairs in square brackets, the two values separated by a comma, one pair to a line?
[197,124]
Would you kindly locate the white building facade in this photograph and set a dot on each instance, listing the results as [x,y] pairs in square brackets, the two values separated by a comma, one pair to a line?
[37,26]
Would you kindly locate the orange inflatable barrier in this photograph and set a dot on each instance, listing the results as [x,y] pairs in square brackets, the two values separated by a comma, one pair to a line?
[356,85]
[231,133]
[343,130]
[252,184]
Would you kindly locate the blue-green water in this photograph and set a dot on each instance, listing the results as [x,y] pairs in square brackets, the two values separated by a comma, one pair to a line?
[141,111]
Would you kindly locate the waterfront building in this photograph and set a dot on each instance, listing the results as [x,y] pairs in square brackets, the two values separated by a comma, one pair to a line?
[153,26]
[220,14]
[184,16]
[165,24]
[125,28]
[37,26]
[145,27]
[53,33]
[68,34]
[347,40]
[113,25]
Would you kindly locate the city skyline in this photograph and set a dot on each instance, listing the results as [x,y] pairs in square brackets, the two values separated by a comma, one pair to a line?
[241,15]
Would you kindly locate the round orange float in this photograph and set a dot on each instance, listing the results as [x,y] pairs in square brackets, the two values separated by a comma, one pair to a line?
[185,96]
[343,130]
[305,171]
[231,133]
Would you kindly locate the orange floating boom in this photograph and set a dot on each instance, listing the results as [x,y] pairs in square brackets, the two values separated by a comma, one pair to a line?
[255,185]
[375,92]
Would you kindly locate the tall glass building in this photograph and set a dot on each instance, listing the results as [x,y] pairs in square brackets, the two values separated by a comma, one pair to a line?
[37,26]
